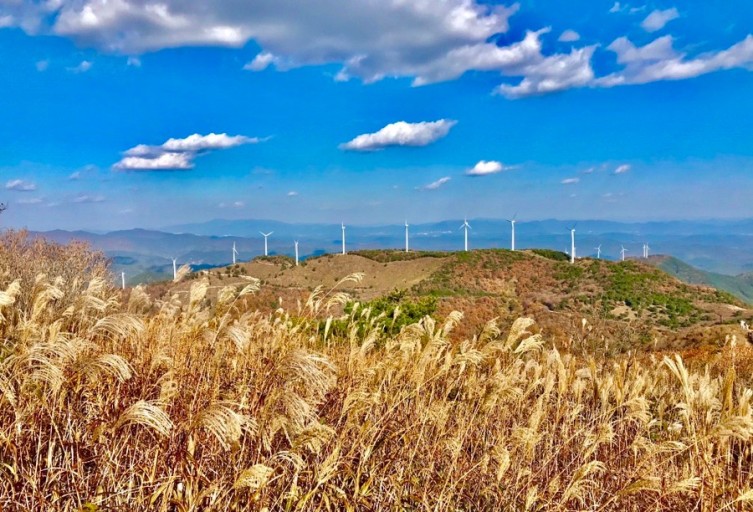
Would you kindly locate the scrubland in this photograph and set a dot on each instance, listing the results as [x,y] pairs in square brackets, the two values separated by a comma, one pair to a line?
[113,400]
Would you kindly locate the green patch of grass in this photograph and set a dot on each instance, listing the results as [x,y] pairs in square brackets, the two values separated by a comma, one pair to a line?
[387,256]
[551,254]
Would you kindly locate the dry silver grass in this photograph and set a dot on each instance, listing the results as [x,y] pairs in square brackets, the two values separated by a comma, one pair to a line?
[198,406]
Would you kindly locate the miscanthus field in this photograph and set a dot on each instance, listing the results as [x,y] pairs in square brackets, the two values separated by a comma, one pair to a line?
[116,400]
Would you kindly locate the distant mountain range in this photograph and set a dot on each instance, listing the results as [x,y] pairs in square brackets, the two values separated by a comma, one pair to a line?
[724,248]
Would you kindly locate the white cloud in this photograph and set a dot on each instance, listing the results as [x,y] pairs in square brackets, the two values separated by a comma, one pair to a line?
[553,74]
[20,186]
[569,36]
[657,19]
[590,170]
[42,65]
[292,193]
[622,169]
[74,176]
[133,62]
[485,167]
[436,184]
[162,162]
[86,198]
[82,67]
[659,61]
[7,21]
[261,62]
[178,154]
[401,134]
[198,142]
[570,181]
[427,41]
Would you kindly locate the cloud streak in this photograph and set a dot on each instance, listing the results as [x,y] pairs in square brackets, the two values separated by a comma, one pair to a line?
[436,184]
[20,185]
[401,134]
[622,169]
[178,154]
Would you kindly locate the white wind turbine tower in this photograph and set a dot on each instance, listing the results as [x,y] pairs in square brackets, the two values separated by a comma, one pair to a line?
[466,227]
[512,228]
[572,244]
[598,252]
[342,224]
[296,252]
[266,236]
[175,269]
[235,253]
[122,279]
[623,251]
[406,235]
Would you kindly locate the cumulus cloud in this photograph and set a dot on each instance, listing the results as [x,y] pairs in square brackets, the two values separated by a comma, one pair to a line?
[622,169]
[570,181]
[427,41]
[20,186]
[658,60]
[422,40]
[542,75]
[178,154]
[658,19]
[485,168]
[434,185]
[292,193]
[569,36]
[401,134]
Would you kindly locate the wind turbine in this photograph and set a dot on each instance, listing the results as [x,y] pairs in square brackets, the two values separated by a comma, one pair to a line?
[406,235]
[645,250]
[512,227]
[175,269]
[572,244]
[235,253]
[266,235]
[598,252]
[466,227]
[296,252]
[342,224]
[623,251]
[122,279]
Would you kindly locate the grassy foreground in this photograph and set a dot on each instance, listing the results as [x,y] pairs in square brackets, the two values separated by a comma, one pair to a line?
[113,401]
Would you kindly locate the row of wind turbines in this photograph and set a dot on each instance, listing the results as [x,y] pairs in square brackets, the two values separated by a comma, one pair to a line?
[465,227]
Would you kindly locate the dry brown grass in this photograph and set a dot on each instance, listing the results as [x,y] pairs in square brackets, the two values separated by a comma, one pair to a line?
[123,403]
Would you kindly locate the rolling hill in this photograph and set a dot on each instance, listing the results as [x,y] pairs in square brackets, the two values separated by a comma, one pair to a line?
[583,304]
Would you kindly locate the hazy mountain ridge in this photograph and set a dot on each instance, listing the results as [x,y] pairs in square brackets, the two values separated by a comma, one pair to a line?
[720,247]
[741,286]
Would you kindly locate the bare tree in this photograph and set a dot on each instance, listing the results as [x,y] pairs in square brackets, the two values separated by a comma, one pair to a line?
[3,207]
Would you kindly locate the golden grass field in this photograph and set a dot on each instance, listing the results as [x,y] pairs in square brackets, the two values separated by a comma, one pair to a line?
[113,400]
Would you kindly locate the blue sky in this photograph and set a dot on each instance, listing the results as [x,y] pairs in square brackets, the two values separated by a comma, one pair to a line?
[133,113]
